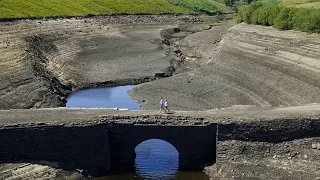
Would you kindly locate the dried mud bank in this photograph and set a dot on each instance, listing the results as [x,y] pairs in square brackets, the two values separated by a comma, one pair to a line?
[44,60]
[240,65]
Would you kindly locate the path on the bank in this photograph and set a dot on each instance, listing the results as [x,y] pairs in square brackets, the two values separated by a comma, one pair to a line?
[87,116]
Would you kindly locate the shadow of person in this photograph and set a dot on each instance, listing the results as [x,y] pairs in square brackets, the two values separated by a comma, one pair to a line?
[170,112]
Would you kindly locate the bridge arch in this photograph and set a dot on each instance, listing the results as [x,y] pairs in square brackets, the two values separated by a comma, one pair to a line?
[196,144]
[156,159]
[106,148]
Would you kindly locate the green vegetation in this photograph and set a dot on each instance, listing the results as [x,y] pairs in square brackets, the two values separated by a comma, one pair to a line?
[204,6]
[270,2]
[220,5]
[65,8]
[53,8]
[300,3]
[283,18]
[237,4]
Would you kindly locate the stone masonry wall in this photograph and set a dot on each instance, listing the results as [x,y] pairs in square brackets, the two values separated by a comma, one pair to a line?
[260,138]
[84,148]
[103,147]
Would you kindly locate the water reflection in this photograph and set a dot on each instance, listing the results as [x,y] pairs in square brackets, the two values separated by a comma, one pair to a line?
[156,159]
[111,97]
[181,175]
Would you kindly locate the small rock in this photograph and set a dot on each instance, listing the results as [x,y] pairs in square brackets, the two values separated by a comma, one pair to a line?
[305,156]
[318,146]
[275,156]
[314,146]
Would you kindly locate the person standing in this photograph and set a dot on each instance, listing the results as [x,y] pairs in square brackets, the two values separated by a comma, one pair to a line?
[162,105]
[166,106]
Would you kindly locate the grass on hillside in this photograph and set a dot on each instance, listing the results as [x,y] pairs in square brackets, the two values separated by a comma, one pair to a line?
[205,6]
[300,3]
[53,8]
[220,5]
[270,2]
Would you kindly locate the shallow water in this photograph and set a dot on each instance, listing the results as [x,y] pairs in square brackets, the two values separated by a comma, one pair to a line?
[110,97]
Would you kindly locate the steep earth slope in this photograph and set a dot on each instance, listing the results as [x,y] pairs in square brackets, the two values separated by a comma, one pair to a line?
[245,65]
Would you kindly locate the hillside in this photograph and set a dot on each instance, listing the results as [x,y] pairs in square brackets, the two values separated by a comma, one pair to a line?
[52,8]
[60,8]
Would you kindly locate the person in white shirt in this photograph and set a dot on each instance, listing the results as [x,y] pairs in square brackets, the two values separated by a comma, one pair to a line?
[162,106]
[166,106]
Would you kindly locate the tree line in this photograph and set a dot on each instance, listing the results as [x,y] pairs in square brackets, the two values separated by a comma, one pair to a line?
[283,18]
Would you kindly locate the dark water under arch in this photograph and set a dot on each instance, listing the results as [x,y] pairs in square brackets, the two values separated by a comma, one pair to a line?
[156,159]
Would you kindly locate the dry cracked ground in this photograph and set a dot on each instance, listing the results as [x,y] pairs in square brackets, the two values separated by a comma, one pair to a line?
[228,64]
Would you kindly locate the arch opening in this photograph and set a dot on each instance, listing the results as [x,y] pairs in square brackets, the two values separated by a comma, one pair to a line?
[156,159]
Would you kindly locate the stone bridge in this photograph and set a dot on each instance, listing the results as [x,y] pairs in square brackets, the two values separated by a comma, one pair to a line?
[196,144]
[105,146]
[102,141]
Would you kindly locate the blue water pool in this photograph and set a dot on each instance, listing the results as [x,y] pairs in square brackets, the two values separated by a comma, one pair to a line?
[110,97]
